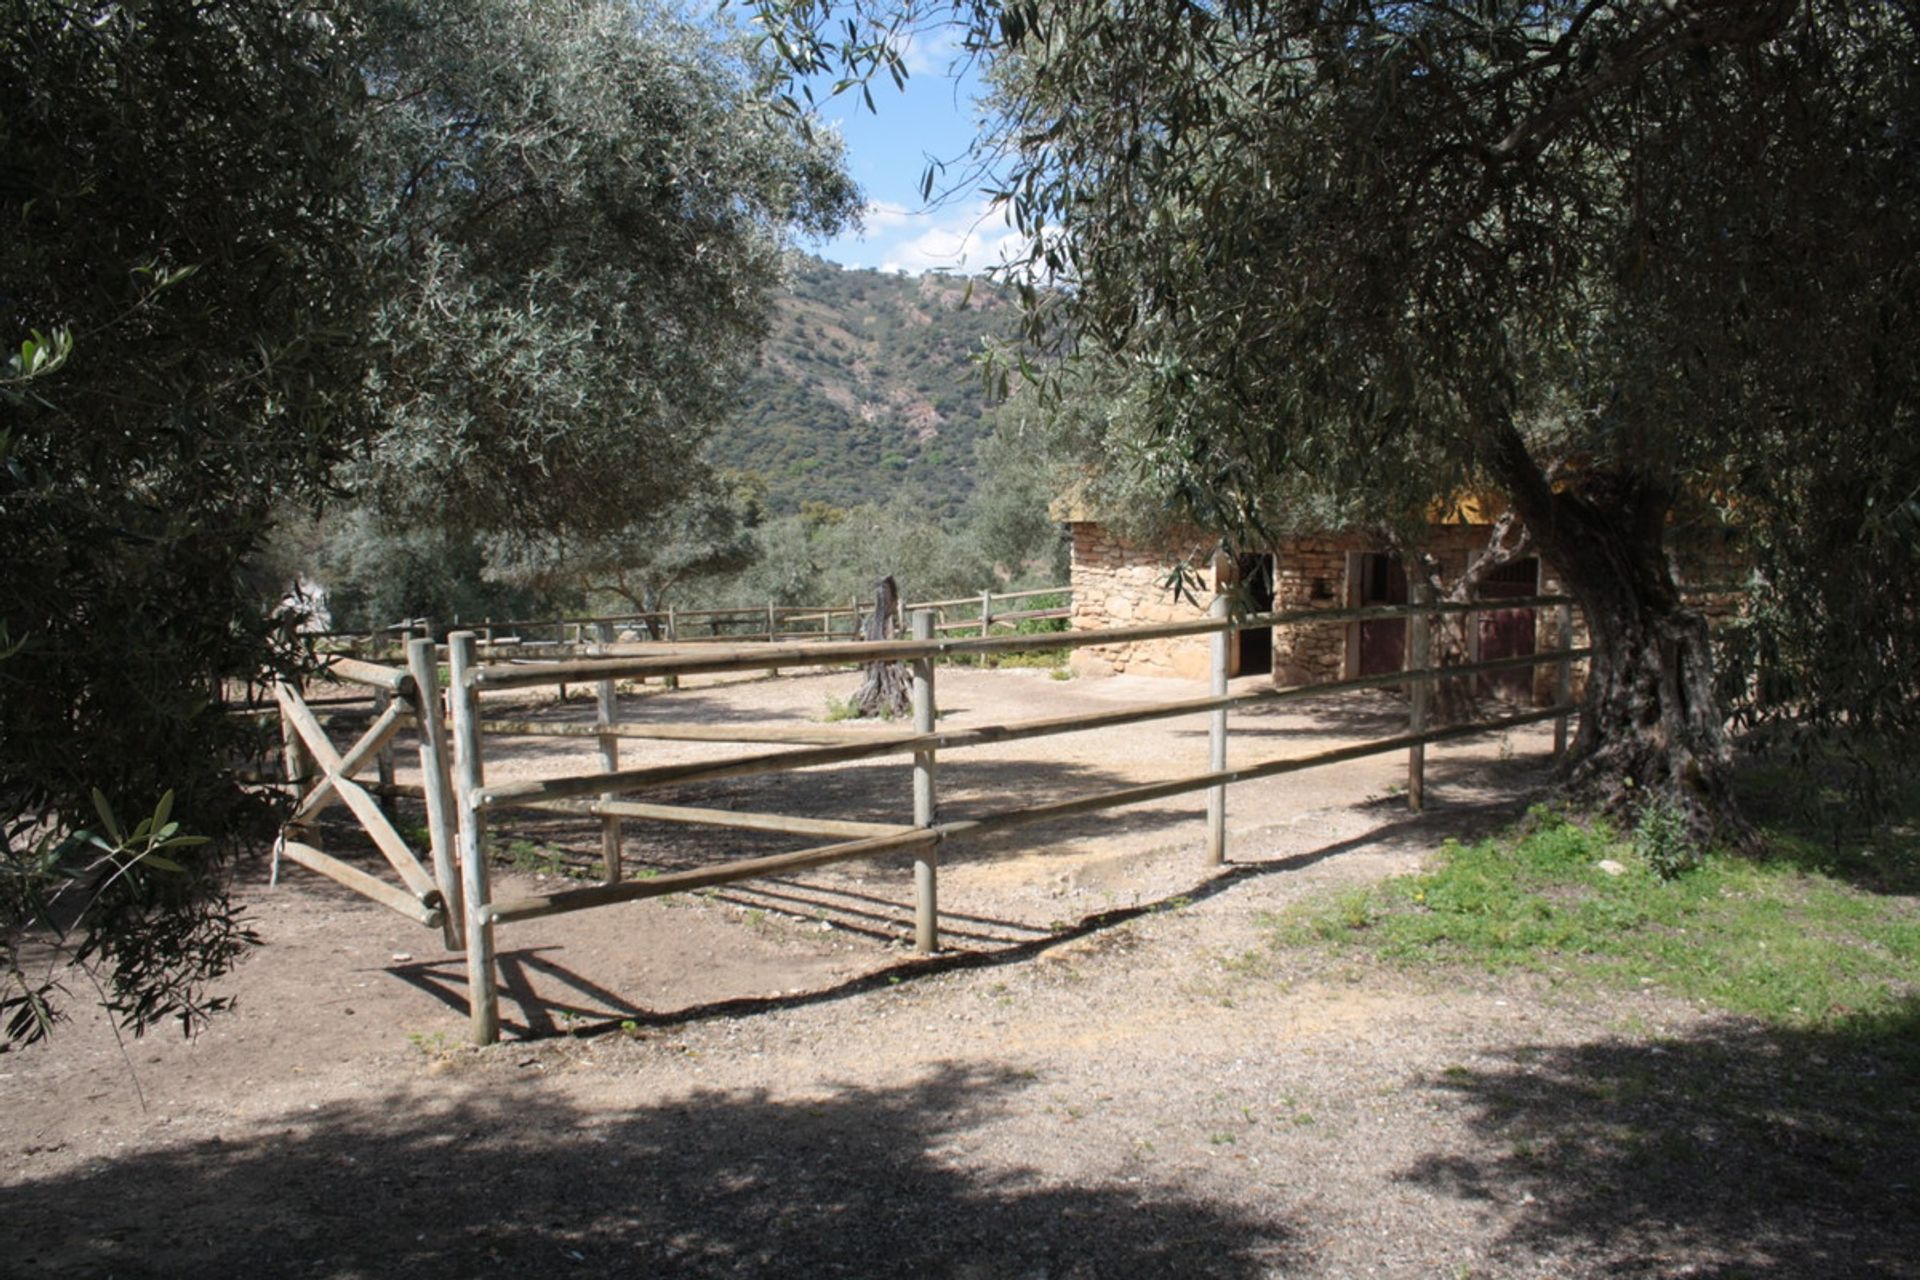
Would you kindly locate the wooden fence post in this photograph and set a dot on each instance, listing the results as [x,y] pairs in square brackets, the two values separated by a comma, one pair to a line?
[1420,653]
[436,778]
[1221,645]
[568,642]
[1563,682]
[673,634]
[298,764]
[608,713]
[483,989]
[986,613]
[383,762]
[926,865]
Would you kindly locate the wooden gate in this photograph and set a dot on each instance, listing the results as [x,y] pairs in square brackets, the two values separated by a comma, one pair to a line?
[325,774]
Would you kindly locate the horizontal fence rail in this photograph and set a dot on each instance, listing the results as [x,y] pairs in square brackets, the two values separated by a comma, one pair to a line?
[902,743]
[911,838]
[457,894]
[768,657]
[770,622]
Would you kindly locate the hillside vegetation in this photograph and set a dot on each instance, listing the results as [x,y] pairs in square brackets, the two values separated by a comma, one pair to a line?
[863,442]
[866,389]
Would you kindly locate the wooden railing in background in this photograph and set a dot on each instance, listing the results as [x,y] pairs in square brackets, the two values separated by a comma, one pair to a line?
[769,623]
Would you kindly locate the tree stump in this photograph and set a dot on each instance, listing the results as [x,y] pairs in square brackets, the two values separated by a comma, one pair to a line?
[887,690]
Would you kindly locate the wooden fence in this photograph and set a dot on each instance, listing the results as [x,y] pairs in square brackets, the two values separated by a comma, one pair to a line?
[546,638]
[461,805]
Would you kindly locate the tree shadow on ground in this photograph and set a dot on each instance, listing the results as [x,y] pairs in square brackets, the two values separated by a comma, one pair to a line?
[509,1179]
[1738,1150]
[1837,819]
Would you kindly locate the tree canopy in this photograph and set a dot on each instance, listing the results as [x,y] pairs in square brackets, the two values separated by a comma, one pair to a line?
[1608,258]
[579,211]
[492,262]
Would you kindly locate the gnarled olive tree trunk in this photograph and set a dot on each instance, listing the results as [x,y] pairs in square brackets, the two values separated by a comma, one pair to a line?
[1651,728]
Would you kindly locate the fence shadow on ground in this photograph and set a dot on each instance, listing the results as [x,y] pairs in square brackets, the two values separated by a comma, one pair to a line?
[587,1010]
[884,919]
[512,1181]
[874,792]
[1777,1154]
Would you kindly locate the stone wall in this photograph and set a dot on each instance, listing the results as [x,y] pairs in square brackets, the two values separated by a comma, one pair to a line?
[1119,585]
[1310,573]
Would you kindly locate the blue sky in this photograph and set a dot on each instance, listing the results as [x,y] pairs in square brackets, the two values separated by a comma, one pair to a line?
[888,151]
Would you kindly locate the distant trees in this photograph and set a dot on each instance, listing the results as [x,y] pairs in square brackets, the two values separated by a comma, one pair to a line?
[374,573]
[839,394]
[1003,536]
[647,565]
[481,266]
[828,554]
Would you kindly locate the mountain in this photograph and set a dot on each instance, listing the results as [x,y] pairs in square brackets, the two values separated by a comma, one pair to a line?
[867,389]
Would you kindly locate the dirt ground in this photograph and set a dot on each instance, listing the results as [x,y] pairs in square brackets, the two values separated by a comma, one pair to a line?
[1110,1072]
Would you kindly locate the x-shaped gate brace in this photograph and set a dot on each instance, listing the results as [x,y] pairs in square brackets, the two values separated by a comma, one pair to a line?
[421,898]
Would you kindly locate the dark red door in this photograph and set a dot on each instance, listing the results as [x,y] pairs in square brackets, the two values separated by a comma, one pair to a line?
[1383,643]
[1508,633]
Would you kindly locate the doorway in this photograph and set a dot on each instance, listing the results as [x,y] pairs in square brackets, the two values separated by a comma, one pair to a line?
[1383,641]
[1254,646]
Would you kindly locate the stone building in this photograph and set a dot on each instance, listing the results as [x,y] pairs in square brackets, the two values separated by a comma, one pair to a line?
[1116,584]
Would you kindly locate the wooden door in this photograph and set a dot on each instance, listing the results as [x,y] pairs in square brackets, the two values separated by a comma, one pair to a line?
[1508,633]
[1383,642]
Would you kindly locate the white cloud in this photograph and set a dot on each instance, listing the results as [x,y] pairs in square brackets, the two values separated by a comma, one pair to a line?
[972,250]
[884,215]
[970,239]
[930,52]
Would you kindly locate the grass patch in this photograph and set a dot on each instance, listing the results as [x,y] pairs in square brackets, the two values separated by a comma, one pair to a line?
[1800,1113]
[1793,938]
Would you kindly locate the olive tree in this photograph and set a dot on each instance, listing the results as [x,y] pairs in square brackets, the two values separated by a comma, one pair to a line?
[184,226]
[578,212]
[485,265]
[1608,257]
